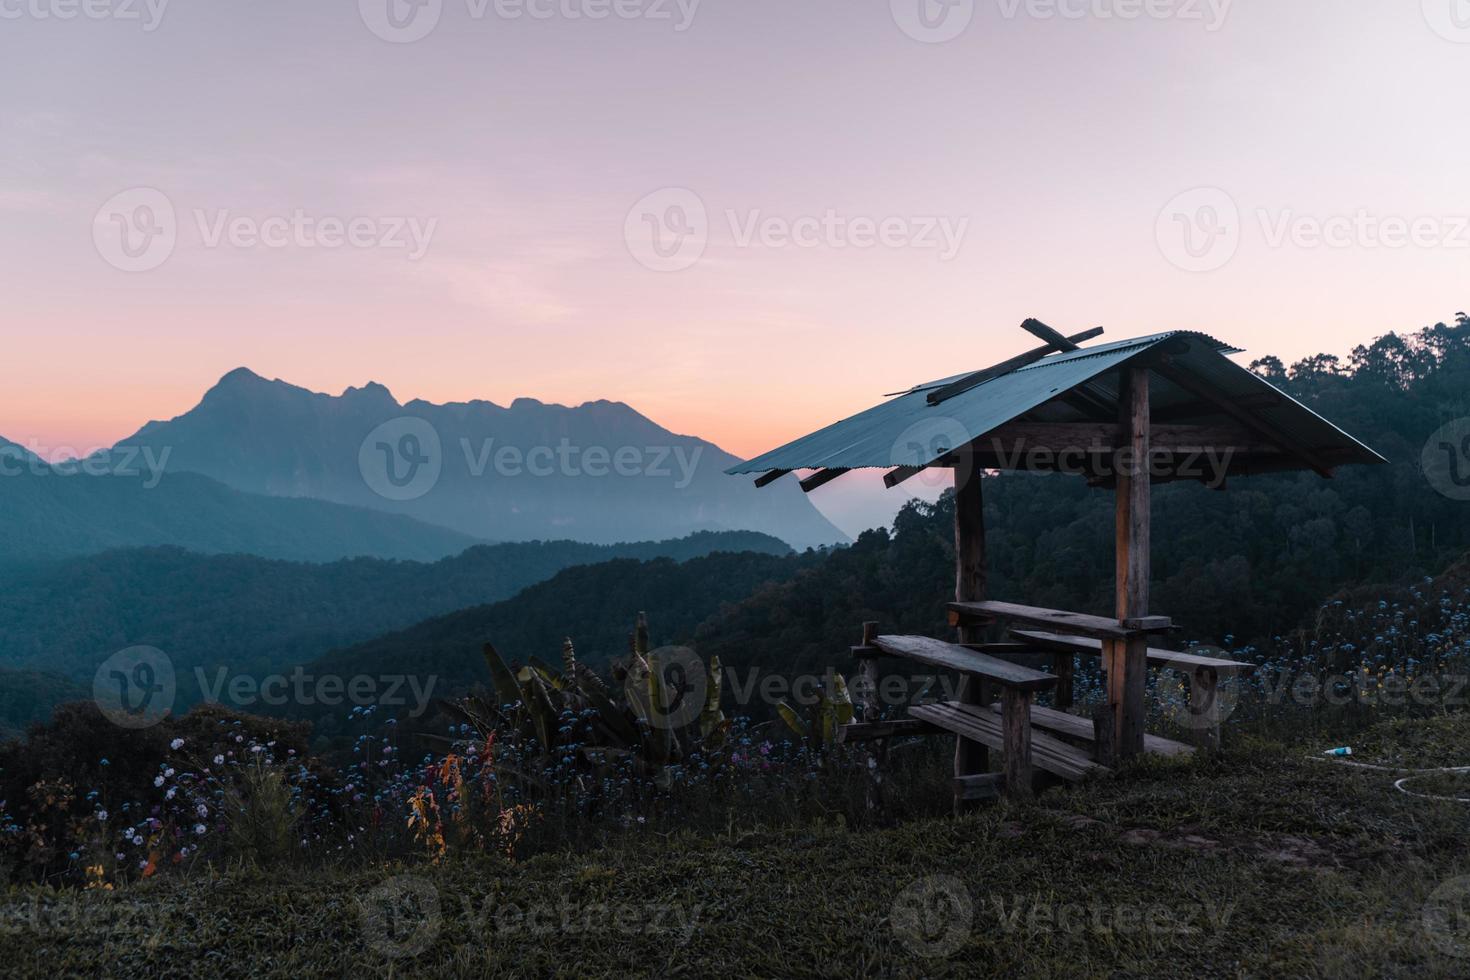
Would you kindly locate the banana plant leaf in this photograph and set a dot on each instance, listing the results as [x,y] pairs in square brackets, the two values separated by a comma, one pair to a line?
[506,688]
[793,719]
[711,716]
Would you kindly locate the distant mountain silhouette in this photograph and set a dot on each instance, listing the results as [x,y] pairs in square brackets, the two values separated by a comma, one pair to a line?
[63,510]
[597,472]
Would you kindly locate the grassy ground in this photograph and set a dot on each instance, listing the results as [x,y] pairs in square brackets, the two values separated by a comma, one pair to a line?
[1262,863]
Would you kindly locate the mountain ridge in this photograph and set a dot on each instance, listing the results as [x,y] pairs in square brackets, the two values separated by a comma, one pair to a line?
[606,471]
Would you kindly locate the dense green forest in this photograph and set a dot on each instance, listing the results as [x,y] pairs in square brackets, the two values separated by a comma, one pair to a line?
[260,615]
[27,696]
[594,604]
[1246,563]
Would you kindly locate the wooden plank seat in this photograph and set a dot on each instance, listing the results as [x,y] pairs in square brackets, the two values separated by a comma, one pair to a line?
[866,731]
[952,656]
[1012,730]
[982,724]
[1157,657]
[1075,726]
[1070,623]
[1204,676]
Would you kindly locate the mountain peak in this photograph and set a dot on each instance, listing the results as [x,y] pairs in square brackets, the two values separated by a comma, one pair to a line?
[239,376]
[372,393]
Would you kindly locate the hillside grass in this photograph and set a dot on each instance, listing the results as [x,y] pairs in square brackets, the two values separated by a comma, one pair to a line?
[1263,862]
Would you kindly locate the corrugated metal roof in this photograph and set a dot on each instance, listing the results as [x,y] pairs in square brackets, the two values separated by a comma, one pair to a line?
[906,430]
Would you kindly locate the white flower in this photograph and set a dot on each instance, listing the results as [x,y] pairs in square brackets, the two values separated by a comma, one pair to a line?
[202,810]
[170,794]
[176,744]
[157,780]
[199,829]
[102,816]
[219,760]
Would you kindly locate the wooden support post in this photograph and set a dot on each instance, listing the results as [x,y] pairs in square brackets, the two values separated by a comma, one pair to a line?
[877,754]
[1127,660]
[1063,665]
[970,758]
[1103,729]
[1015,714]
[869,673]
[1204,707]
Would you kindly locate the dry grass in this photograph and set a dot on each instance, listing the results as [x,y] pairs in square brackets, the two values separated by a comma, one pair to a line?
[1260,864]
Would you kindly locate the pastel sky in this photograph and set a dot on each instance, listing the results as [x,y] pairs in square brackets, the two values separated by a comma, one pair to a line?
[1052,138]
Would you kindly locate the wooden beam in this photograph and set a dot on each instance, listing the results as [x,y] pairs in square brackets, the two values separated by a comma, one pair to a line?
[1127,659]
[971,758]
[821,478]
[1064,666]
[1245,418]
[770,477]
[1015,714]
[1057,620]
[863,731]
[1133,498]
[878,755]
[1016,443]
[1204,707]
[1003,368]
[897,475]
[1043,332]
[1104,437]
[965,660]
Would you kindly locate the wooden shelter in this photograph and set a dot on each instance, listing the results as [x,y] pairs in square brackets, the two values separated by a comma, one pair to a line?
[1124,416]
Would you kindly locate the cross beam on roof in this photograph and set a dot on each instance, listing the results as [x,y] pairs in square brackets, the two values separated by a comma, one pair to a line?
[1049,335]
[1006,367]
[771,477]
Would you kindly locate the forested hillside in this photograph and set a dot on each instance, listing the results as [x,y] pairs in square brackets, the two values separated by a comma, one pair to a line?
[594,604]
[257,615]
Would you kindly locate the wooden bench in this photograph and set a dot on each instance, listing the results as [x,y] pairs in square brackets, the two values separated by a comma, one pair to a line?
[969,719]
[1070,623]
[1083,729]
[1204,675]
[1157,656]
[986,724]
